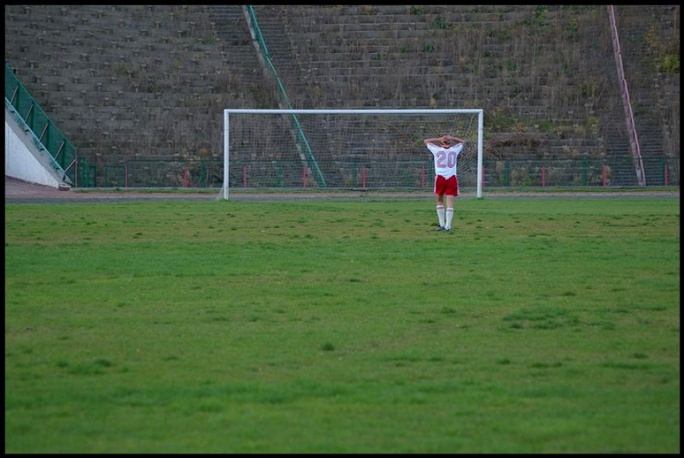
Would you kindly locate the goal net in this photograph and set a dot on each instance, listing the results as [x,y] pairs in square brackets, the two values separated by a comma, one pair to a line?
[370,149]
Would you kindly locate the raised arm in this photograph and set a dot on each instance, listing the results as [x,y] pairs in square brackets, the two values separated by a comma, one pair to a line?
[454,139]
[435,141]
[444,140]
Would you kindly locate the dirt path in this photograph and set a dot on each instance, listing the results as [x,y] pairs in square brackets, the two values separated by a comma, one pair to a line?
[17,191]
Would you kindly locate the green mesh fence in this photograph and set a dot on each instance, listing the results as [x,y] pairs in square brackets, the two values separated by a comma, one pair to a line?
[383,175]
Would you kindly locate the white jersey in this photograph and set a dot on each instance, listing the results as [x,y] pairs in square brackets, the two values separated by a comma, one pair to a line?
[445,159]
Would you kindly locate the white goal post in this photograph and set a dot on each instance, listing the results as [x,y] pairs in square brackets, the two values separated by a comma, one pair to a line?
[345,148]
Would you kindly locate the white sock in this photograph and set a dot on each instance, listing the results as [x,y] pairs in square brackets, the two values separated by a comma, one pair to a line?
[440,214]
[449,217]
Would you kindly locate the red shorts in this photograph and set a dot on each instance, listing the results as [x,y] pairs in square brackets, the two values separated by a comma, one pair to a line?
[446,186]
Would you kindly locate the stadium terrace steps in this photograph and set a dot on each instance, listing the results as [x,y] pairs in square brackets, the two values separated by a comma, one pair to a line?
[163,73]
[165,61]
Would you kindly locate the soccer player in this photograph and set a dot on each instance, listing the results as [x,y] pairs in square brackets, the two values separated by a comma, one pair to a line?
[445,150]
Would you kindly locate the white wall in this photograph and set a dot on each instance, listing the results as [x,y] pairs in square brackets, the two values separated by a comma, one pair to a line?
[25,159]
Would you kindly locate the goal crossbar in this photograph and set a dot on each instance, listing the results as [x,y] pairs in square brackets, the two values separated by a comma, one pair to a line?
[294,112]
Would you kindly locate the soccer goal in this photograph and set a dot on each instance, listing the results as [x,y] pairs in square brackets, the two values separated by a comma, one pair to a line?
[369,149]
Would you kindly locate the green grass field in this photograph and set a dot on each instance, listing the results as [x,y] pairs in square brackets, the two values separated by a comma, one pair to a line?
[536,326]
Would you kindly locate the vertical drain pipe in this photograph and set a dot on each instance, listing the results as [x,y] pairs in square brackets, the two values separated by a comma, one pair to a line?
[626,102]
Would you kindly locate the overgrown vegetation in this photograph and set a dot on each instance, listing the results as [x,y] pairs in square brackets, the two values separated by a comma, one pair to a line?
[665,51]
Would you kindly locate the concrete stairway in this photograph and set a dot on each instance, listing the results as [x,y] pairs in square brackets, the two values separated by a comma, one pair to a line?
[135,81]
[529,63]
[152,80]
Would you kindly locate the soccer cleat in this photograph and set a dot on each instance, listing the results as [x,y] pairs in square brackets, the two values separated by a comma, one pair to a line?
[441,228]
[447,229]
